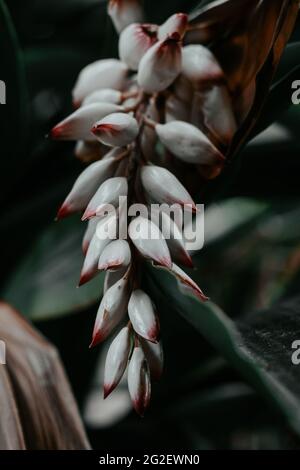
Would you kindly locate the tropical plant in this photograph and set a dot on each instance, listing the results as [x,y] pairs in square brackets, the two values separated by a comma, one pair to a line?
[233,355]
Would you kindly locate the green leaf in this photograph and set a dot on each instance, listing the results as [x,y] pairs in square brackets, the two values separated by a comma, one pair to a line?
[14,114]
[44,284]
[232,218]
[258,346]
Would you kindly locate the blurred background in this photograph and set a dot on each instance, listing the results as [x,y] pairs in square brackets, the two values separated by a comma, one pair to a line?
[211,395]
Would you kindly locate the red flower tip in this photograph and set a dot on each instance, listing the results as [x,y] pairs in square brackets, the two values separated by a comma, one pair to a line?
[152,334]
[107,389]
[84,278]
[63,212]
[94,129]
[76,104]
[57,132]
[186,260]
[97,338]
[184,16]
[88,215]
[140,406]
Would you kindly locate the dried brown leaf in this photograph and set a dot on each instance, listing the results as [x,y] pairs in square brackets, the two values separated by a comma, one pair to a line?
[38,408]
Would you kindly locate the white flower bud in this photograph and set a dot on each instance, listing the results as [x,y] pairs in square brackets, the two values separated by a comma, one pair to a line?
[213,106]
[116,360]
[106,73]
[173,236]
[176,110]
[175,24]
[115,256]
[86,185]
[142,315]
[188,143]
[139,384]
[95,248]
[89,233]
[117,129]
[78,125]
[105,95]
[135,41]
[160,65]
[111,311]
[108,193]
[149,241]
[187,284]
[154,356]
[162,186]
[200,66]
[125,12]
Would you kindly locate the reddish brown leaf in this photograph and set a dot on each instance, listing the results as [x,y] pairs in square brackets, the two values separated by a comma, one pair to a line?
[248,38]
[38,409]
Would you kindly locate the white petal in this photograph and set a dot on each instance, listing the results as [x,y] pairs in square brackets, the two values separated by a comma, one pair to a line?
[139,384]
[105,95]
[86,185]
[115,256]
[125,12]
[108,193]
[106,73]
[111,310]
[162,186]
[116,360]
[188,143]
[160,65]
[142,315]
[135,41]
[78,125]
[154,356]
[175,24]
[118,129]
[200,66]
[95,248]
[148,239]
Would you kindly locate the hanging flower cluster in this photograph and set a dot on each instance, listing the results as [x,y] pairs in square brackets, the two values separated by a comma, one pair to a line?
[159,91]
